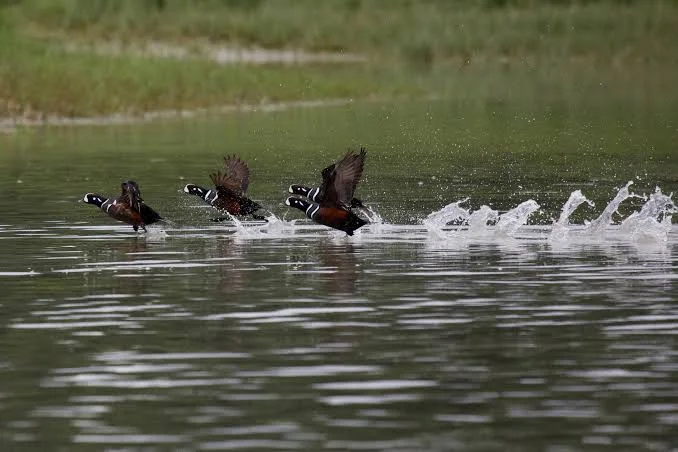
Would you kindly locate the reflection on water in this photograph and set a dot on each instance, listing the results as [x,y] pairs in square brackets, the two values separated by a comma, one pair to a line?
[396,339]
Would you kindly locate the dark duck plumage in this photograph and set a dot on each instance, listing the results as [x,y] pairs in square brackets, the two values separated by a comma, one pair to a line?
[331,203]
[129,207]
[317,194]
[229,189]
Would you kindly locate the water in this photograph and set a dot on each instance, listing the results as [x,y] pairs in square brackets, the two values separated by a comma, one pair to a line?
[479,311]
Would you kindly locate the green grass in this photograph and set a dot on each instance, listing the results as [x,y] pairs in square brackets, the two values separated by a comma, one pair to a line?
[443,29]
[488,49]
[48,80]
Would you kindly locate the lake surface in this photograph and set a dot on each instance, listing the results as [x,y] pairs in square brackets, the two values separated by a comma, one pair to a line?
[443,332]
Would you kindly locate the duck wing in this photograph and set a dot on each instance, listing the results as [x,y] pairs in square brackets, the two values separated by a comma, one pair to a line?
[131,195]
[236,175]
[341,179]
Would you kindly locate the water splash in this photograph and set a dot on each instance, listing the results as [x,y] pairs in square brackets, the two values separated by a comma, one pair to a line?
[155,234]
[274,226]
[576,199]
[239,226]
[373,216]
[509,222]
[376,222]
[277,225]
[653,222]
[480,221]
[450,213]
[561,227]
[598,226]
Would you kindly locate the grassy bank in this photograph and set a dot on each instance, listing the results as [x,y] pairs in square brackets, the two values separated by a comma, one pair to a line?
[412,48]
[426,29]
[45,79]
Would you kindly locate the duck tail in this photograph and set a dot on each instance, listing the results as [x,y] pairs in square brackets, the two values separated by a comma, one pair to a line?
[354,222]
[149,215]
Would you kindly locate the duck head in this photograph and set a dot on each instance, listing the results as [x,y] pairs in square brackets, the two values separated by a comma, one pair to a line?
[309,208]
[93,198]
[297,203]
[299,190]
[195,190]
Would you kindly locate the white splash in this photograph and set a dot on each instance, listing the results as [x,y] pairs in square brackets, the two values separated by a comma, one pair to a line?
[600,224]
[155,234]
[509,222]
[449,213]
[376,222]
[277,226]
[273,227]
[239,227]
[653,222]
[482,222]
[561,227]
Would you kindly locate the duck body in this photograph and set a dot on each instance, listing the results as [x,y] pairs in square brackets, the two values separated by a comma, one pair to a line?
[224,199]
[129,207]
[315,195]
[330,204]
[229,190]
[336,218]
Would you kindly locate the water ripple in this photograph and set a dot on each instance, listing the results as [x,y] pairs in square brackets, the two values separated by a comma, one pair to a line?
[305,339]
[129,439]
[369,399]
[311,371]
[378,385]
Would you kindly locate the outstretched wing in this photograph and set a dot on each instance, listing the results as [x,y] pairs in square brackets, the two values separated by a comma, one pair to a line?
[341,179]
[131,195]
[236,176]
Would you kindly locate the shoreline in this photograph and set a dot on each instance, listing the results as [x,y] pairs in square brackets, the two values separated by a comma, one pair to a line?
[11,125]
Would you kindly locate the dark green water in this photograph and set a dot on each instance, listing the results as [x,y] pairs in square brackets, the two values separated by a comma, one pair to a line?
[200,336]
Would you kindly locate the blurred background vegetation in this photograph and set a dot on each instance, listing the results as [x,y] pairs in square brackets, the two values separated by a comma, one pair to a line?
[411,47]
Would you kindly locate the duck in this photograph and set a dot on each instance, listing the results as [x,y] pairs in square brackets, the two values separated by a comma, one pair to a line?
[331,204]
[129,207]
[229,190]
[336,218]
[317,194]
